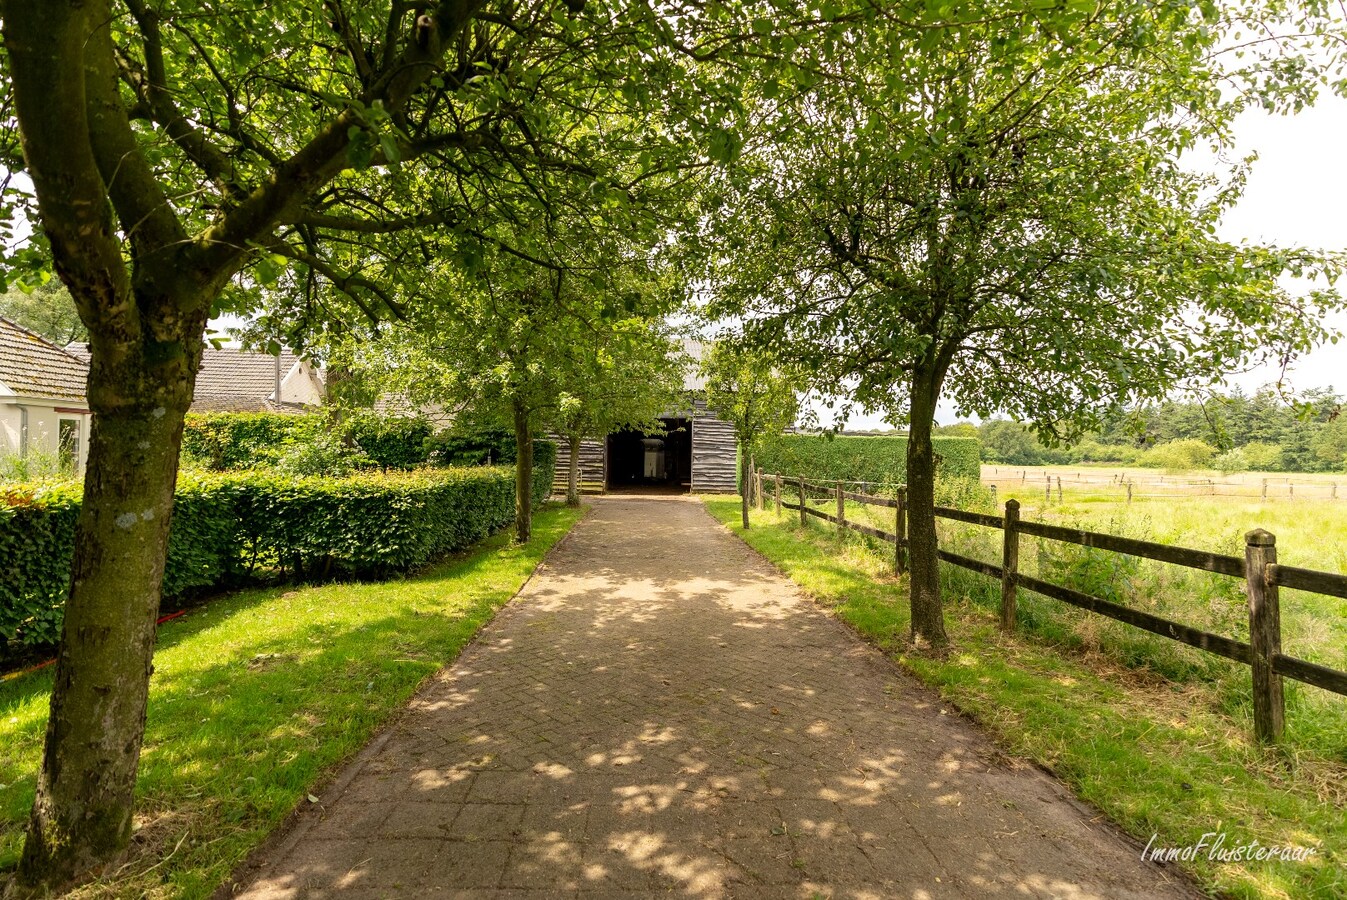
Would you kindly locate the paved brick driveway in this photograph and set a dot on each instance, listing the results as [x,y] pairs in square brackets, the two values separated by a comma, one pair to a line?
[660,712]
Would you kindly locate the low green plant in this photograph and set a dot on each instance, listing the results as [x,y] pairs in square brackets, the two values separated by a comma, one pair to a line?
[232,525]
[224,441]
[391,442]
[31,466]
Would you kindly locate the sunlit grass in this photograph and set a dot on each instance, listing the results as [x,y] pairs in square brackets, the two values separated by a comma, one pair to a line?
[1159,756]
[258,695]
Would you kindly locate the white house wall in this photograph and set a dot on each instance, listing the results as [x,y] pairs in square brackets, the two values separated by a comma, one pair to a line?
[43,427]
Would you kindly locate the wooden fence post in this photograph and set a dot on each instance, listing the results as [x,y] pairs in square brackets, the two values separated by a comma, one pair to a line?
[1264,490]
[900,532]
[1048,498]
[1010,564]
[803,515]
[778,495]
[841,510]
[757,488]
[1265,635]
[1129,492]
[1059,489]
[993,495]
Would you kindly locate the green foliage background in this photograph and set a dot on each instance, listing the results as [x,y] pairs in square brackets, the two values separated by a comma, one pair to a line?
[875,458]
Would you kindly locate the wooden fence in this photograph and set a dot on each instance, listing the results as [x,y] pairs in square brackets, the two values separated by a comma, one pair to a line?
[1258,568]
[1152,486]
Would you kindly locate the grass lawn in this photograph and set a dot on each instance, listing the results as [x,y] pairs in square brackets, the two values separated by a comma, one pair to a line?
[1160,757]
[258,696]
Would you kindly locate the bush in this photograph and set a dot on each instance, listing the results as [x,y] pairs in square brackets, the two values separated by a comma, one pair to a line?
[1179,456]
[485,447]
[1262,457]
[1231,461]
[229,525]
[864,458]
[1095,452]
[224,441]
[544,469]
[392,442]
[37,543]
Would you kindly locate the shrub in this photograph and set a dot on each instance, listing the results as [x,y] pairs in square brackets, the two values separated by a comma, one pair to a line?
[484,447]
[1179,456]
[1231,461]
[1263,457]
[875,458]
[392,442]
[1095,452]
[225,441]
[37,543]
[322,454]
[227,525]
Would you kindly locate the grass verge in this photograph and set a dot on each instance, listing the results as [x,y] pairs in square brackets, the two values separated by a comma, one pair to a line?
[258,696]
[1160,758]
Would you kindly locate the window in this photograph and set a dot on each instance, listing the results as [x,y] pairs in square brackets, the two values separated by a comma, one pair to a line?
[69,433]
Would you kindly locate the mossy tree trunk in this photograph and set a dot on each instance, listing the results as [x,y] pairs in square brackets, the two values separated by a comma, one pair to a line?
[573,472]
[928,617]
[523,473]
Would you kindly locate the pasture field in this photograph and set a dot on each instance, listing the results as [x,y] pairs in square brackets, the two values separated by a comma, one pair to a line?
[1111,481]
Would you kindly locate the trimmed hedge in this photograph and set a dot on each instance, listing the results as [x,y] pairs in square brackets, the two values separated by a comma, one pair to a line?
[223,441]
[876,458]
[226,526]
[394,442]
[37,544]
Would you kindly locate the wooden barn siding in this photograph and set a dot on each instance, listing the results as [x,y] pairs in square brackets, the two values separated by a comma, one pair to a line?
[593,478]
[713,455]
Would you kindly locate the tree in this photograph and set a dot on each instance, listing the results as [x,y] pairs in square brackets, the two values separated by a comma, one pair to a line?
[47,310]
[997,210]
[1009,443]
[183,159]
[627,378]
[749,389]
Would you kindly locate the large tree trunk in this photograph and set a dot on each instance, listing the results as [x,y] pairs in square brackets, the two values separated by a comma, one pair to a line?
[928,617]
[81,818]
[573,473]
[523,474]
[745,486]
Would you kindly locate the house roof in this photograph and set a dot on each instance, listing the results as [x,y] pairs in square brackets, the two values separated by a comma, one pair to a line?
[234,380]
[693,380]
[32,366]
[239,380]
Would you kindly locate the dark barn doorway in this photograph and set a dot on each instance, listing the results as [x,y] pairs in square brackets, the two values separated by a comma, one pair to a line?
[637,460]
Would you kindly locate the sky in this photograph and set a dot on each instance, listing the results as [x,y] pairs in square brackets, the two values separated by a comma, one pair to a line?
[1297,195]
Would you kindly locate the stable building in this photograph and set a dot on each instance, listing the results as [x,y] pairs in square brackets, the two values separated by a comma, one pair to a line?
[694,452]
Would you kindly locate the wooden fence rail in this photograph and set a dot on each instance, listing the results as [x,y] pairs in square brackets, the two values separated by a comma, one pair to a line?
[1258,569]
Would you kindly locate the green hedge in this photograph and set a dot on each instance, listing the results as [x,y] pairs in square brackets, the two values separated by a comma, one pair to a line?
[224,441]
[877,458]
[231,525]
[394,442]
[37,543]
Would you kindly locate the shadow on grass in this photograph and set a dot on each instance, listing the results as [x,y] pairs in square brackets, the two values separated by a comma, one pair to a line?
[257,694]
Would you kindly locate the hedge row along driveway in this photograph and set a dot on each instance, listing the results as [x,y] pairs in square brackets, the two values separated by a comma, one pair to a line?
[228,527]
[873,458]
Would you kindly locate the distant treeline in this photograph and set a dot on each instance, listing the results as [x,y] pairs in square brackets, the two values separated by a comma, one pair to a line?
[1232,432]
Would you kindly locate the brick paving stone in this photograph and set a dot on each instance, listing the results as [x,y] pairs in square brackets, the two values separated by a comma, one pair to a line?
[660,712]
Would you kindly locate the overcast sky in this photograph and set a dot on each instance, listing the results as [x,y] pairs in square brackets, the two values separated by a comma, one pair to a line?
[1296,195]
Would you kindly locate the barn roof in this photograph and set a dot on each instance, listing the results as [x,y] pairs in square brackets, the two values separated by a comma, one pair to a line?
[32,366]
[692,376]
